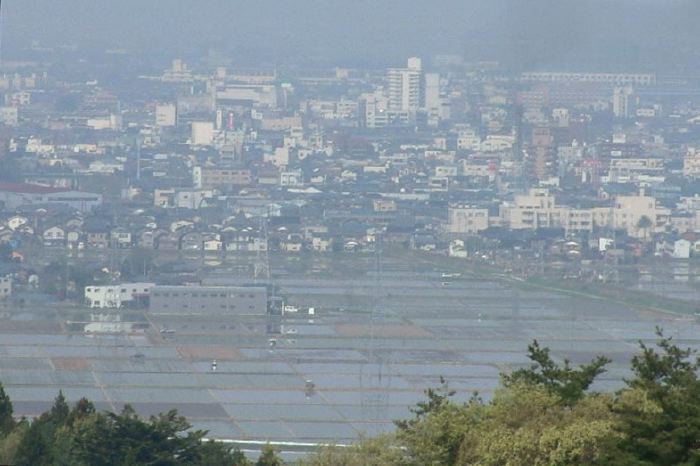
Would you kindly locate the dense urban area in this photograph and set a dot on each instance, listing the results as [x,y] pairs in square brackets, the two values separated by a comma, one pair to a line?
[142,183]
[293,255]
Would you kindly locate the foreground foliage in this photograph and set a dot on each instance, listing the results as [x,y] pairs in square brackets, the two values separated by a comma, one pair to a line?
[80,436]
[546,415]
[543,415]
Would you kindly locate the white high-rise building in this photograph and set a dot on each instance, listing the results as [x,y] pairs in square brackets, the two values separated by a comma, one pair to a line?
[404,86]
[621,102]
[436,102]
[432,91]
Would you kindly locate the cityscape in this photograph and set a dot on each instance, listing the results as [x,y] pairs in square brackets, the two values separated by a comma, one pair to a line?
[289,255]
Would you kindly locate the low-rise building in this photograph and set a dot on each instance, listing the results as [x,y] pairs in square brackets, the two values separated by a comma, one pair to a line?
[116,296]
[209,300]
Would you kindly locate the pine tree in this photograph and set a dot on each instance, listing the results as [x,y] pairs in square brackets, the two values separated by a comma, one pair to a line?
[60,410]
[566,382]
[7,422]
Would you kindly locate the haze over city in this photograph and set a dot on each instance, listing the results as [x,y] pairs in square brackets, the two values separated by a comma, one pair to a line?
[349,233]
[594,33]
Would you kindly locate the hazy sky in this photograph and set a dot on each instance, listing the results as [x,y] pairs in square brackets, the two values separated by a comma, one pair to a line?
[524,33]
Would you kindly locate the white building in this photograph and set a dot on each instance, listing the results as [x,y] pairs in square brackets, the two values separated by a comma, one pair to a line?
[166,115]
[178,73]
[691,163]
[404,86]
[642,79]
[291,178]
[467,219]
[9,116]
[115,296]
[681,249]
[111,122]
[247,94]
[202,133]
[621,102]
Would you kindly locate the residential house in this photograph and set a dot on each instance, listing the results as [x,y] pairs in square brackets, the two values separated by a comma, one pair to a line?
[54,237]
[121,238]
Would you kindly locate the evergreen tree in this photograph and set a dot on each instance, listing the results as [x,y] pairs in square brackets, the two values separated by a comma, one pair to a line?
[60,410]
[7,422]
[570,384]
[36,447]
[659,414]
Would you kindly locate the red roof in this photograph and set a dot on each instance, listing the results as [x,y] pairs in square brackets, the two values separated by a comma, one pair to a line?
[29,188]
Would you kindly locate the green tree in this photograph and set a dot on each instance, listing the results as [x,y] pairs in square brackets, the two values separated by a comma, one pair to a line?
[434,434]
[219,454]
[528,424]
[659,412]
[60,410]
[644,224]
[82,409]
[378,451]
[570,384]
[7,422]
[9,444]
[36,446]
[269,457]
[39,445]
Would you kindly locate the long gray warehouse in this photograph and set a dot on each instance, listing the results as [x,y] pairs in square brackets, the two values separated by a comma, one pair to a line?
[209,300]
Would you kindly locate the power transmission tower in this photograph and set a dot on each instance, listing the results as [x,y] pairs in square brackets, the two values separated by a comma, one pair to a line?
[375,387]
[261,268]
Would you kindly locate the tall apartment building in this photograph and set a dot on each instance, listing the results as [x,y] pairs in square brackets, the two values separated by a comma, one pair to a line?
[436,103]
[544,163]
[404,86]
[621,102]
